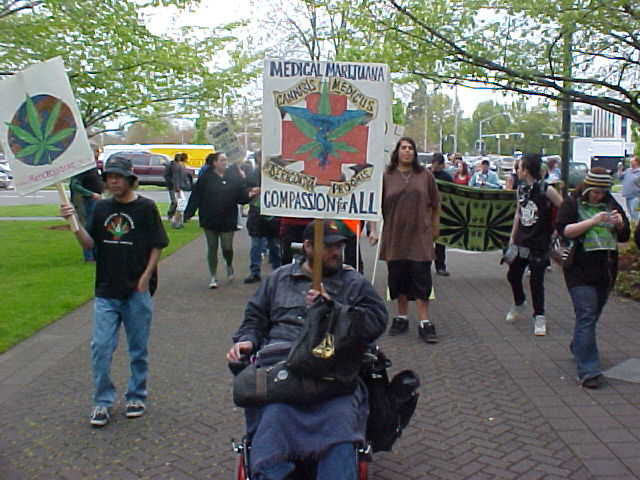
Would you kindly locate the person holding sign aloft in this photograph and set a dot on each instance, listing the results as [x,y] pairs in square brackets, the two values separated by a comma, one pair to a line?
[128,236]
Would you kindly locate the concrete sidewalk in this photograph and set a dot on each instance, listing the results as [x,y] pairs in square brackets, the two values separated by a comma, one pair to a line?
[497,402]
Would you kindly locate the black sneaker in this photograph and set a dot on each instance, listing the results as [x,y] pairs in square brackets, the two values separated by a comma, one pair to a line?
[135,408]
[252,279]
[592,382]
[100,416]
[442,272]
[398,325]
[427,331]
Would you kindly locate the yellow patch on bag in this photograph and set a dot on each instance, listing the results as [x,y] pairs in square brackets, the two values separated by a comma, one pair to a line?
[325,347]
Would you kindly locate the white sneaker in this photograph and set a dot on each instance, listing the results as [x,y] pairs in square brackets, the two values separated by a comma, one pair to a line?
[539,325]
[516,312]
[230,274]
[213,283]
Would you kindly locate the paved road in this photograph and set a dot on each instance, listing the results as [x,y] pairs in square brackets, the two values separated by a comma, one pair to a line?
[497,402]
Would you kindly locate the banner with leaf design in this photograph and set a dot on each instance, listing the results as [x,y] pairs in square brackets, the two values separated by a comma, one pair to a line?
[478,219]
[41,130]
[323,138]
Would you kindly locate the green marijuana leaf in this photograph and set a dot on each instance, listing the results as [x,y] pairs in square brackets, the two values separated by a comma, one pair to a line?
[41,139]
[323,128]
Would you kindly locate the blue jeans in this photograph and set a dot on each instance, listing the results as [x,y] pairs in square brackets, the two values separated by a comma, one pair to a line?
[255,253]
[173,203]
[339,463]
[632,206]
[135,313]
[89,206]
[588,303]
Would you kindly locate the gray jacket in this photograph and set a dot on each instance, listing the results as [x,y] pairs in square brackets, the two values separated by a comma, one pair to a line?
[630,182]
[276,311]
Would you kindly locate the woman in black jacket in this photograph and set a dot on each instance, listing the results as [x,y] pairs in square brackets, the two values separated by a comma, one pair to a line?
[216,195]
[591,217]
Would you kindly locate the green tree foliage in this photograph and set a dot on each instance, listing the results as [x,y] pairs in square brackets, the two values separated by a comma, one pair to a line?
[514,45]
[507,128]
[116,65]
[11,7]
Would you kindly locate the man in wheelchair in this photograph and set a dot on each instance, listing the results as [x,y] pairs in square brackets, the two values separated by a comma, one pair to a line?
[324,430]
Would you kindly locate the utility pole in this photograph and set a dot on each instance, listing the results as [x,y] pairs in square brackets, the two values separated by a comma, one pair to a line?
[456,111]
[566,112]
[426,117]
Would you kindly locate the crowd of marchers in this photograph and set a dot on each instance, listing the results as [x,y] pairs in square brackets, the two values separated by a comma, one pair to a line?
[124,234]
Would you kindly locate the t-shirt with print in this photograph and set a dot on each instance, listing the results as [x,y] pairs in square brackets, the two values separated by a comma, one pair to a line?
[124,235]
[536,225]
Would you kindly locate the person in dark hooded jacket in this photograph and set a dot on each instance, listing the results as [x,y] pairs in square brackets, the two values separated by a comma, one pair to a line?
[216,196]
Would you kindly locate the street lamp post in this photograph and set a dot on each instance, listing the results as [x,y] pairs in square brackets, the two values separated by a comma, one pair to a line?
[486,120]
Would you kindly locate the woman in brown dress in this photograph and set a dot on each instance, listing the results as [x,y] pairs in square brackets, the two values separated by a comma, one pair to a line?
[411,213]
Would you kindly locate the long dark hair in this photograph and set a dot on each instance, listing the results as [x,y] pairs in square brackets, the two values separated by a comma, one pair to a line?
[533,163]
[213,157]
[393,164]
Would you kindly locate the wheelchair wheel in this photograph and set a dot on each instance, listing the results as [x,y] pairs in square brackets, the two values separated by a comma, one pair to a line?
[242,465]
[363,470]
[240,473]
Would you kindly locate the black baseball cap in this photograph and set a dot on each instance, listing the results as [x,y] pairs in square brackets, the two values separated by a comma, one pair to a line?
[331,232]
[119,165]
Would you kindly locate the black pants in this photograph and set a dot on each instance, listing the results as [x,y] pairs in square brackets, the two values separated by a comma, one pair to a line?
[537,261]
[441,257]
[350,249]
[290,234]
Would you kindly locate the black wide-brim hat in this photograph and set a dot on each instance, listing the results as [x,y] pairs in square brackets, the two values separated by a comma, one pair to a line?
[121,166]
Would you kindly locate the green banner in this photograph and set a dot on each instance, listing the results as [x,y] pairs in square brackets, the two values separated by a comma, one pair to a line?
[477,219]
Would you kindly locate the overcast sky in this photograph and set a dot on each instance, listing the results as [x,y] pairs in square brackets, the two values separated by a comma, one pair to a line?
[212,14]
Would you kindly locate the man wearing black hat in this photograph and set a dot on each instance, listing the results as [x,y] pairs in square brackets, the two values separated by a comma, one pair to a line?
[128,235]
[275,314]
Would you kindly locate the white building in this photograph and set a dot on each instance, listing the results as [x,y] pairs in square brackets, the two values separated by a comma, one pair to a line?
[601,138]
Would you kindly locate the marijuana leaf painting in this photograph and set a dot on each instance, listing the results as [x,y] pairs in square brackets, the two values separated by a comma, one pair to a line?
[118,226]
[323,128]
[325,134]
[41,130]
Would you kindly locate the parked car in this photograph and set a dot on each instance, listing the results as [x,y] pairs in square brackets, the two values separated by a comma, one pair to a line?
[148,167]
[577,172]
[6,177]
[504,163]
[4,180]
[425,158]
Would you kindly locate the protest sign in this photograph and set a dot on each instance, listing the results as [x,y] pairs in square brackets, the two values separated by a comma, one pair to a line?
[477,219]
[323,138]
[221,135]
[41,130]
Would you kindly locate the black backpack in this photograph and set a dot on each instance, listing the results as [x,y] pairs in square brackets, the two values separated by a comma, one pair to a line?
[391,403]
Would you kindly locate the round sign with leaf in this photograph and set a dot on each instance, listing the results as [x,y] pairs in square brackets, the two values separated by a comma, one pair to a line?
[41,130]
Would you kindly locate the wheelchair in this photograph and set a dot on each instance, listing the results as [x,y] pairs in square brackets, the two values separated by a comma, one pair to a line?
[305,470]
[391,405]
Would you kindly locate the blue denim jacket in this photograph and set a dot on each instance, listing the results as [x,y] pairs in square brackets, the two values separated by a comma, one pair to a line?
[276,311]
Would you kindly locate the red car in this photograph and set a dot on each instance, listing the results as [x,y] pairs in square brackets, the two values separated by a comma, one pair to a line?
[148,167]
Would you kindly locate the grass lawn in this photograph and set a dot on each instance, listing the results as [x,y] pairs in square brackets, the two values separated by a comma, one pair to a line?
[43,275]
[47,210]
